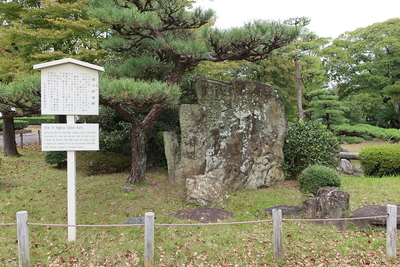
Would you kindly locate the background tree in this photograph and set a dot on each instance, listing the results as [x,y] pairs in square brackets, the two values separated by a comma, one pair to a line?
[368,103]
[307,64]
[324,105]
[363,62]
[19,98]
[159,40]
[34,32]
[393,91]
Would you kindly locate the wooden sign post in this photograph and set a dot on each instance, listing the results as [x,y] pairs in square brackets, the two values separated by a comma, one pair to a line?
[70,87]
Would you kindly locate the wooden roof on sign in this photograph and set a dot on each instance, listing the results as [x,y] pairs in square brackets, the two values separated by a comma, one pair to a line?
[65,61]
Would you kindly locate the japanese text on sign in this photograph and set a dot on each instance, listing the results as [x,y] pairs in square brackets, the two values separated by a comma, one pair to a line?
[72,91]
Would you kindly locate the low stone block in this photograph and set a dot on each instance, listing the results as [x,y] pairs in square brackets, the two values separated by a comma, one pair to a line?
[205,191]
[370,211]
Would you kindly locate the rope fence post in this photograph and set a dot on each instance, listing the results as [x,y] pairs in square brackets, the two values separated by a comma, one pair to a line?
[149,239]
[23,238]
[22,140]
[391,231]
[277,234]
[39,139]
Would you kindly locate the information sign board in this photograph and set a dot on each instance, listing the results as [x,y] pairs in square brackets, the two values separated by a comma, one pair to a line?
[69,87]
[70,137]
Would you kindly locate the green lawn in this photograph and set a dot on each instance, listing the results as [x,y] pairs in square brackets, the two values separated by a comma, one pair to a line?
[27,183]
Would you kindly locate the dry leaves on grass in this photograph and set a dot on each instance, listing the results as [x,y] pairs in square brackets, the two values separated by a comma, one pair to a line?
[128,258]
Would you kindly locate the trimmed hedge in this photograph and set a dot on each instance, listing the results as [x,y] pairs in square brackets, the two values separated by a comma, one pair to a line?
[21,123]
[380,160]
[315,177]
[364,130]
[37,120]
[18,125]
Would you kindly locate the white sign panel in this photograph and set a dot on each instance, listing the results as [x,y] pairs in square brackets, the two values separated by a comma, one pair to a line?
[70,137]
[69,89]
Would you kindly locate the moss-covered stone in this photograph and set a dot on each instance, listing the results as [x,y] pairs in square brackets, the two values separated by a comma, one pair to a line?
[236,133]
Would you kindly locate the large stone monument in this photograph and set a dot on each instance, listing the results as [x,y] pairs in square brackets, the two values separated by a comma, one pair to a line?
[235,133]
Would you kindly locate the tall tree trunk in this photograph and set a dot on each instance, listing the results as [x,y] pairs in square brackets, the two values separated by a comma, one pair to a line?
[138,144]
[137,136]
[10,146]
[299,88]
[138,150]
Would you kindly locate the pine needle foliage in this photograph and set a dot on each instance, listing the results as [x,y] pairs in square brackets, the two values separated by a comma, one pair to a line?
[138,94]
[324,105]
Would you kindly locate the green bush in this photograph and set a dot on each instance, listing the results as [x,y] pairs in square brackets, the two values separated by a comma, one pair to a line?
[56,157]
[309,143]
[115,132]
[104,162]
[315,177]
[380,160]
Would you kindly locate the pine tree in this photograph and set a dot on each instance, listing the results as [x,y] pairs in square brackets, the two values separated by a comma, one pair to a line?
[325,106]
[161,40]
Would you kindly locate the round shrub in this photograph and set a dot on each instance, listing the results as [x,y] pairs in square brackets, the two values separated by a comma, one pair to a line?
[56,157]
[96,162]
[315,177]
[309,143]
[380,160]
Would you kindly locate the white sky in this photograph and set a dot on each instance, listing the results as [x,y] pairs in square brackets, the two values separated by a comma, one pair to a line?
[328,18]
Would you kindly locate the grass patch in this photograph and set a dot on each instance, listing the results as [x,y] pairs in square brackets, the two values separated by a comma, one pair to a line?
[27,183]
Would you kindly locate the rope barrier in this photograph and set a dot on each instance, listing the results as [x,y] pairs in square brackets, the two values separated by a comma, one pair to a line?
[206,224]
[6,224]
[23,231]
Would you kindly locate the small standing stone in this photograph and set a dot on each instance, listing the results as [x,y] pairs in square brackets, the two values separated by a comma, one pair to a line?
[347,167]
[330,203]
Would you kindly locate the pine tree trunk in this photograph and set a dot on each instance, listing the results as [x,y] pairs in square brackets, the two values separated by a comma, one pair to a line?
[299,89]
[138,150]
[10,146]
